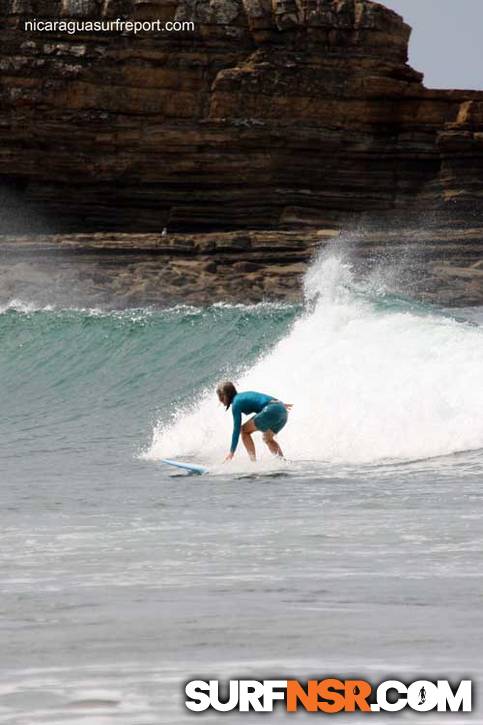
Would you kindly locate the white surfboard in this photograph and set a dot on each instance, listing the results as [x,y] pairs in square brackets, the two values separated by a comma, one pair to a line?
[189,467]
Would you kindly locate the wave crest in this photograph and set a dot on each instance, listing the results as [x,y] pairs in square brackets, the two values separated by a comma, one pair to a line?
[369,382]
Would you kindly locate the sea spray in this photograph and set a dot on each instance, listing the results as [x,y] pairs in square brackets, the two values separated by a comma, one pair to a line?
[371,379]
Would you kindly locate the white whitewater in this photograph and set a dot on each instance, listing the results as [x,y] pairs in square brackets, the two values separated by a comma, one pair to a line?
[370,381]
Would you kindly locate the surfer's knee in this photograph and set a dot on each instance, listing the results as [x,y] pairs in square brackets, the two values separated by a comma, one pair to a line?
[268,436]
[248,428]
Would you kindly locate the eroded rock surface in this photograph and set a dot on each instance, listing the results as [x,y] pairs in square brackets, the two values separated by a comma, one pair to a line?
[119,270]
[271,114]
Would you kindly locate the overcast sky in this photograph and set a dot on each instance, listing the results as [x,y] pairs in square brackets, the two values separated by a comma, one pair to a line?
[447,40]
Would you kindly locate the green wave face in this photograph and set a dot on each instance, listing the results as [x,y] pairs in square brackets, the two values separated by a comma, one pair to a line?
[86,381]
[373,378]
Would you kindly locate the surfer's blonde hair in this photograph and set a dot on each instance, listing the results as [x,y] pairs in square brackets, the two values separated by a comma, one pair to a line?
[226,392]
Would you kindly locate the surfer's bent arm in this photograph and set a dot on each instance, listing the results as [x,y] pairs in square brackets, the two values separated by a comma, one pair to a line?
[236,428]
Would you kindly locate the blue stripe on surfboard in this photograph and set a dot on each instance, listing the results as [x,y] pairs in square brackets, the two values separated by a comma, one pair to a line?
[190,467]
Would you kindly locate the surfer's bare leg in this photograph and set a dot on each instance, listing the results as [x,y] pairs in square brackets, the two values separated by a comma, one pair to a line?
[246,433]
[272,444]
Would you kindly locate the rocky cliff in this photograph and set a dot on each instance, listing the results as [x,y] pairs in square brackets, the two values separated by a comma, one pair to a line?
[441,266]
[271,114]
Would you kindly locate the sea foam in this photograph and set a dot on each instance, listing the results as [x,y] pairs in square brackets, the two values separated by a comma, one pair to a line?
[370,380]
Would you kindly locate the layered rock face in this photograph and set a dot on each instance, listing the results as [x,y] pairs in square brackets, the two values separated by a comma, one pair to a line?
[270,114]
[441,266]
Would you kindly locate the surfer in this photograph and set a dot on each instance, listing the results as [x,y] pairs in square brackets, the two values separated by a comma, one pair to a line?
[271,416]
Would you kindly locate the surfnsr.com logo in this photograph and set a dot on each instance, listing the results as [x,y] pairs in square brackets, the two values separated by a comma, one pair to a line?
[328,696]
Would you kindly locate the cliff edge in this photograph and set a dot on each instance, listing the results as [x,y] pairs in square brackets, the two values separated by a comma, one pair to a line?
[271,114]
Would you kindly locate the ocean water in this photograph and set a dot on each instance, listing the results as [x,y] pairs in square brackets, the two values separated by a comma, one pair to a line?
[361,554]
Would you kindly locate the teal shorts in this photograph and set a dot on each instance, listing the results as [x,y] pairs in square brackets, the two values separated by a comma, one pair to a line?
[272,417]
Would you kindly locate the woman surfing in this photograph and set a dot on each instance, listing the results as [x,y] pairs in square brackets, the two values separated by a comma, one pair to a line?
[271,416]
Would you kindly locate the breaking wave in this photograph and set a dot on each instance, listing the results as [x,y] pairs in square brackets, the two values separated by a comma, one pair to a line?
[371,377]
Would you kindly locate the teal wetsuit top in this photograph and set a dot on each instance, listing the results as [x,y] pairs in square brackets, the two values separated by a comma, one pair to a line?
[246,403]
